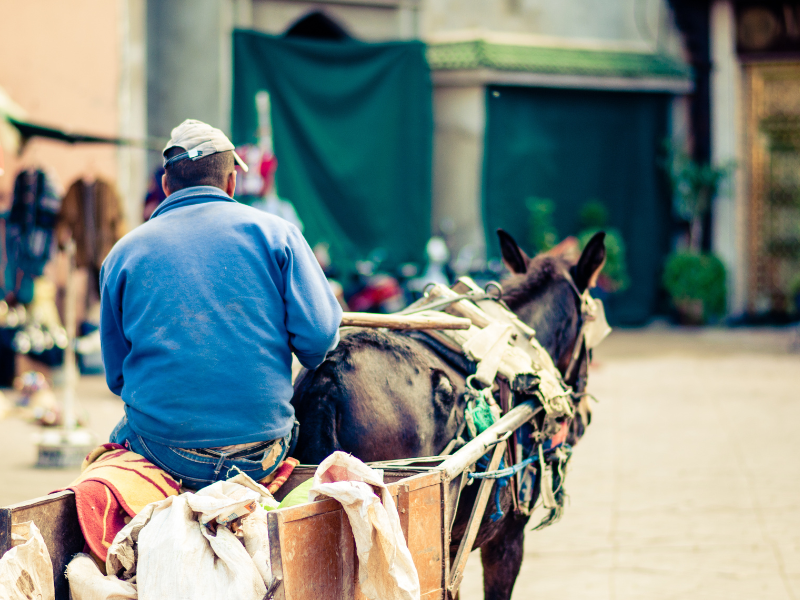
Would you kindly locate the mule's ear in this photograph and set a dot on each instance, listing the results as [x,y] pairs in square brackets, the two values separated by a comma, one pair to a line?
[513,256]
[591,262]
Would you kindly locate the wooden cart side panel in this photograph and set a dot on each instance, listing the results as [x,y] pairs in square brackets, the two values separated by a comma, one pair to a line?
[347,546]
[415,481]
[56,516]
[303,473]
[425,535]
[314,554]
[312,551]
[305,511]
[275,558]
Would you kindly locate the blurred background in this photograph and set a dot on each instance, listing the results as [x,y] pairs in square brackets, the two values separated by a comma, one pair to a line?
[399,135]
[378,124]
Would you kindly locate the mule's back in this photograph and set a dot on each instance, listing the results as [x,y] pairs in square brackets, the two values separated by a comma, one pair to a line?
[379,396]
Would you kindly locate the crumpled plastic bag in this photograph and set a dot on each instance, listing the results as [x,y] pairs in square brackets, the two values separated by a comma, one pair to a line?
[298,495]
[386,569]
[180,547]
[86,582]
[26,570]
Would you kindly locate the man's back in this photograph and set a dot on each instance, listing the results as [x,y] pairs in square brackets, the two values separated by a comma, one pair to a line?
[200,306]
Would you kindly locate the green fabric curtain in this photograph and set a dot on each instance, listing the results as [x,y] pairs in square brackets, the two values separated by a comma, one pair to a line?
[570,147]
[353,133]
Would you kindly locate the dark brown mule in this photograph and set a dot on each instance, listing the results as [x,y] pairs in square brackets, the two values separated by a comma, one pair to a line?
[383,395]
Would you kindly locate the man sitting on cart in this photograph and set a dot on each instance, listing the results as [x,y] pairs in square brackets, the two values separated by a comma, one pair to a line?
[202,307]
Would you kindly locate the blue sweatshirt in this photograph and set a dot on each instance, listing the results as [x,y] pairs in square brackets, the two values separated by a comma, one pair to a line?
[200,309]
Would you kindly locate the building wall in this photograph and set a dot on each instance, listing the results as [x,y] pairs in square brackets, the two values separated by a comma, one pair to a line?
[729,212]
[459,112]
[133,172]
[189,64]
[459,115]
[188,75]
[189,49]
[61,63]
[636,23]
[370,22]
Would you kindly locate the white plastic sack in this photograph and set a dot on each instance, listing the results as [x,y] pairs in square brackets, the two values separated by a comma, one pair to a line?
[223,502]
[122,554]
[255,531]
[179,547]
[86,582]
[256,542]
[267,499]
[26,570]
[386,570]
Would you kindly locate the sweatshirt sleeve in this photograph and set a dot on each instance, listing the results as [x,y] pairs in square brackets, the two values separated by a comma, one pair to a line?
[114,345]
[313,315]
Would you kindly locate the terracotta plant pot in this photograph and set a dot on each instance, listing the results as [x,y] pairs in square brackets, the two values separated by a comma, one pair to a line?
[690,311]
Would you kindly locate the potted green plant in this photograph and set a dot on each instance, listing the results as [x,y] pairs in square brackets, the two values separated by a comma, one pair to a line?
[696,284]
[695,281]
[614,276]
[694,187]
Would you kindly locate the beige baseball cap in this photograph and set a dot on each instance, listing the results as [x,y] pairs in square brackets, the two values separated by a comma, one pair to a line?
[199,139]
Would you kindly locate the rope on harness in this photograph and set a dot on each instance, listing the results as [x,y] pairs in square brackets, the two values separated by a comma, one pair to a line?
[498,512]
[561,454]
[503,473]
[556,511]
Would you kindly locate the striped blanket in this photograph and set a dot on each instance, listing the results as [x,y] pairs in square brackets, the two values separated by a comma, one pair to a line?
[114,485]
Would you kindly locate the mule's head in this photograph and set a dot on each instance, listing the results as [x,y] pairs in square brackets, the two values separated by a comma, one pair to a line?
[544,291]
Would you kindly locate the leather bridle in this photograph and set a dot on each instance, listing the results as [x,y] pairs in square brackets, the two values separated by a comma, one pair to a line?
[585,316]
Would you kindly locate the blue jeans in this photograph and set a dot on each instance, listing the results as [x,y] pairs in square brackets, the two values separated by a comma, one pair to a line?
[195,471]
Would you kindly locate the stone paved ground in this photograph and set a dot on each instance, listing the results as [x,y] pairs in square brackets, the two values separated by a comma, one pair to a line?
[687,484]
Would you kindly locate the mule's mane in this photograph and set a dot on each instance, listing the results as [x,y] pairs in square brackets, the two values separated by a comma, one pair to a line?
[542,271]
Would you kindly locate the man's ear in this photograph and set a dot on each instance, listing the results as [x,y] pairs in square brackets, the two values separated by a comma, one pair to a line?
[591,262]
[513,256]
[230,185]
[164,185]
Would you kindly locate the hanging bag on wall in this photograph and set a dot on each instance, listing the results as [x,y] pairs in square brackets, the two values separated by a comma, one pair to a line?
[29,232]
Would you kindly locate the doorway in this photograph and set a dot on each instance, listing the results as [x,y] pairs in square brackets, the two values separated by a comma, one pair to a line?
[772,92]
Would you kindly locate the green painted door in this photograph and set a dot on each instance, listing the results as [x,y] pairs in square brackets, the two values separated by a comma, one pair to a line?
[575,146]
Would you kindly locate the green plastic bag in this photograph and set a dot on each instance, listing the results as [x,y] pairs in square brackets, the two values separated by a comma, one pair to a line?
[479,415]
[298,495]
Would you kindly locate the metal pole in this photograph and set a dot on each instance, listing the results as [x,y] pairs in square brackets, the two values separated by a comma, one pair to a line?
[66,447]
[473,450]
[69,421]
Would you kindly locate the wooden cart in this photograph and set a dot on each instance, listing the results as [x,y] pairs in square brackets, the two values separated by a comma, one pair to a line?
[312,546]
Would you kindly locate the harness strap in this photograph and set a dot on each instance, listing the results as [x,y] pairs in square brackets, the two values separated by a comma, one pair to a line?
[474,297]
[580,341]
